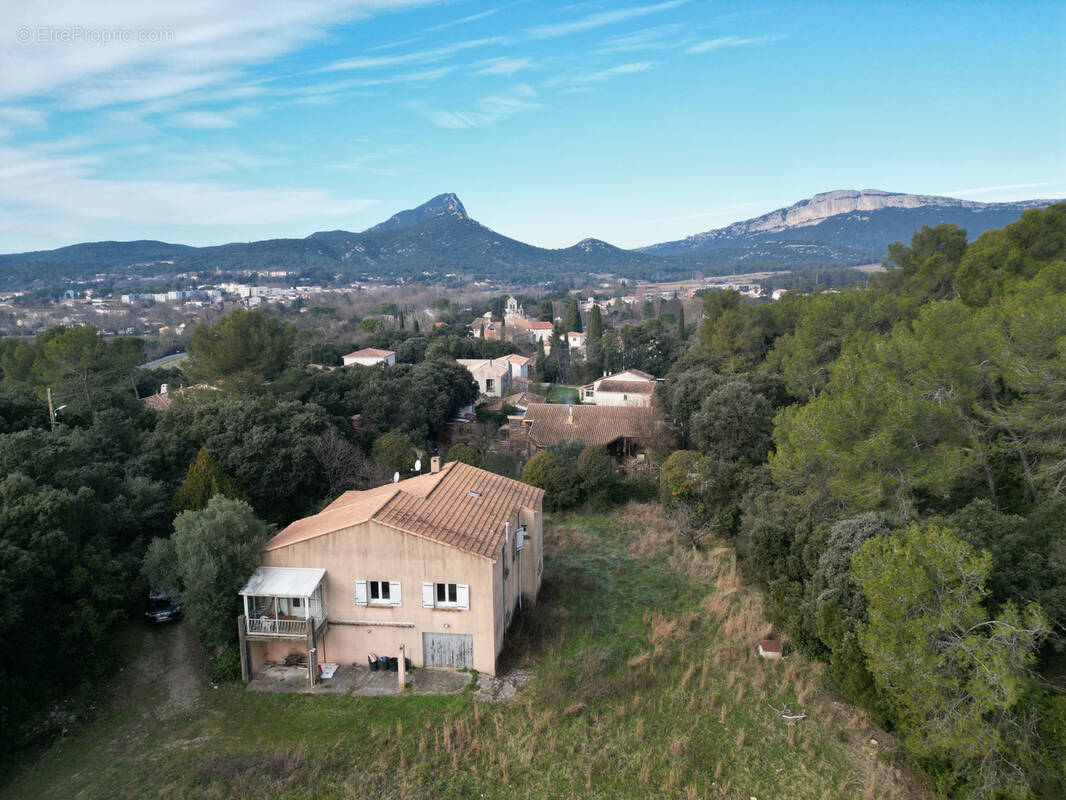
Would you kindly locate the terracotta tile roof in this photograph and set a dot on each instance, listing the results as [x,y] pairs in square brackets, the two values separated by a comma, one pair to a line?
[541,326]
[484,365]
[370,352]
[514,358]
[630,387]
[441,506]
[157,402]
[466,509]
[596,426]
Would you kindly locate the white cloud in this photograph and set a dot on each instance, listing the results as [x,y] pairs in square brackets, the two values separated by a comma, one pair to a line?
[14,120]
[211,120]
[465,20]
[50,201]
[418,57]
[728,41]
[487,110]
[503,66]
[155,50]
[610,72]
[660,37]
[600,19]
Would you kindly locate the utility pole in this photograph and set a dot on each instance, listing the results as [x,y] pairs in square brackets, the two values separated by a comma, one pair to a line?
[51,410]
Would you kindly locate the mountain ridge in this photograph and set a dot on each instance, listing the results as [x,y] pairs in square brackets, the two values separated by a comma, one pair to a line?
[438,239]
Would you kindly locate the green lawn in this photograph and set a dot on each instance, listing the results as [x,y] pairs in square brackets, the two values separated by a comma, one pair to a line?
[563,394]
[645,685]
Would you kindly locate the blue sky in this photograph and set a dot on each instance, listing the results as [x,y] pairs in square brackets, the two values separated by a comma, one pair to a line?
[205,122]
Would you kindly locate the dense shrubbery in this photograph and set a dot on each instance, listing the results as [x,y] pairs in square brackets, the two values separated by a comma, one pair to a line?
[908,518]
[81,503]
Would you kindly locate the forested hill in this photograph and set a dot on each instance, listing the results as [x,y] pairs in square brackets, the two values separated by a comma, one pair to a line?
[432,240]
[841,227]
[438,238]
[891,462]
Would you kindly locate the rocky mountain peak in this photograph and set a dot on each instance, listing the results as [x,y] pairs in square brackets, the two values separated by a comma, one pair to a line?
[447,203]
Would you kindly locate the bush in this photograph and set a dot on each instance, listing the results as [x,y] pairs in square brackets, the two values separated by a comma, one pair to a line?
[599,476]
[226,666]
[465,454]
[560,484]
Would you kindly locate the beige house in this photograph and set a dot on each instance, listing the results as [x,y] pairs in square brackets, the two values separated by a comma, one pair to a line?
[629,388]
[438,563]
[493,376]
[369,357]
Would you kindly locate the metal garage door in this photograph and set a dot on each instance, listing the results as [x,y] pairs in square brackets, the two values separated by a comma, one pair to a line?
[448,650]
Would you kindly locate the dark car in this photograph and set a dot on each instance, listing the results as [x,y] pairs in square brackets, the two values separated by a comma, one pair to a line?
[159,607]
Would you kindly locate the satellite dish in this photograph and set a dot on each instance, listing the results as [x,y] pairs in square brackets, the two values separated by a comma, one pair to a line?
[396,477]
[418,465]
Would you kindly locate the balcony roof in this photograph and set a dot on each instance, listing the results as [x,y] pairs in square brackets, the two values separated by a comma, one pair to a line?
[283,582]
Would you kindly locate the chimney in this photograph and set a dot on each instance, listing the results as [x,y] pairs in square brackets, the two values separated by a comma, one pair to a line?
[434,464]
[163,388]
[570,415]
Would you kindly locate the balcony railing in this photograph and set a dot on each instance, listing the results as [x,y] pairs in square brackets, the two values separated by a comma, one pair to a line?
[277,627]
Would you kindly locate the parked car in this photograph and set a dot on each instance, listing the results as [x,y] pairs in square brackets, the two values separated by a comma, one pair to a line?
[160,607]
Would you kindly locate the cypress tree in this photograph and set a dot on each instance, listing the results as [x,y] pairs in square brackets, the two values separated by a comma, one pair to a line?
[203,481]
[681,324]
[595,324]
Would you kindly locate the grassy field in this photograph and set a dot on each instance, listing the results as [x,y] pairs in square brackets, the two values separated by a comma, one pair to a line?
[645,684]
[563,394]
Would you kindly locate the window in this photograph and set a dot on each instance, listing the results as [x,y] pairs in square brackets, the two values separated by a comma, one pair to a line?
[489,385]
[590,392]
[377,593]
[446,595]
[297,602]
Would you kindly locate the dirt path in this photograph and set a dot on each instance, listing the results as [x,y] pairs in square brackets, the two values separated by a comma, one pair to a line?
[173,658]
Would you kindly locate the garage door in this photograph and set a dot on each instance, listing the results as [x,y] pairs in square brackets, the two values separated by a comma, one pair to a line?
[448,650]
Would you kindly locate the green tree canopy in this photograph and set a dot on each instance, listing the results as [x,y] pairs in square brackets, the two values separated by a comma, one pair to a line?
[396,451]
[203,481]
[209,557]
[559,482]
[956,677]
[244,348]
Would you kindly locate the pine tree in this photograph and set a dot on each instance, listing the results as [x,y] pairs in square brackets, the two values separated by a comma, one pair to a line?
[203,481]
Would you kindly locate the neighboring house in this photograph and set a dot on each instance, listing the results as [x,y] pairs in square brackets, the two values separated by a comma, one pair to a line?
[624,431]
[519,365]
[370,357]
[164,398]
[629,388]
[493,376]
[575,340]
[541,331]
[438,563]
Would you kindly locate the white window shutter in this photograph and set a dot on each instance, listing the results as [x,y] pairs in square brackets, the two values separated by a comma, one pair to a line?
[462,595]
[521,543]
[427,595]
[394,593]
[360,593]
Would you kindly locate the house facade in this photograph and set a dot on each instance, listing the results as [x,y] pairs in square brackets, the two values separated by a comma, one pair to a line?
[629,388]
[370,357]
[493,376]
[438,563]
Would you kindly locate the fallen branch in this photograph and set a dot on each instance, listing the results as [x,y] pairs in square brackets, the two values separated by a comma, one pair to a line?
[786,714]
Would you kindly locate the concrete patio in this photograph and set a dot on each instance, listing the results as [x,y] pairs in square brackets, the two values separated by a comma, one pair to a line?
[357,679]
